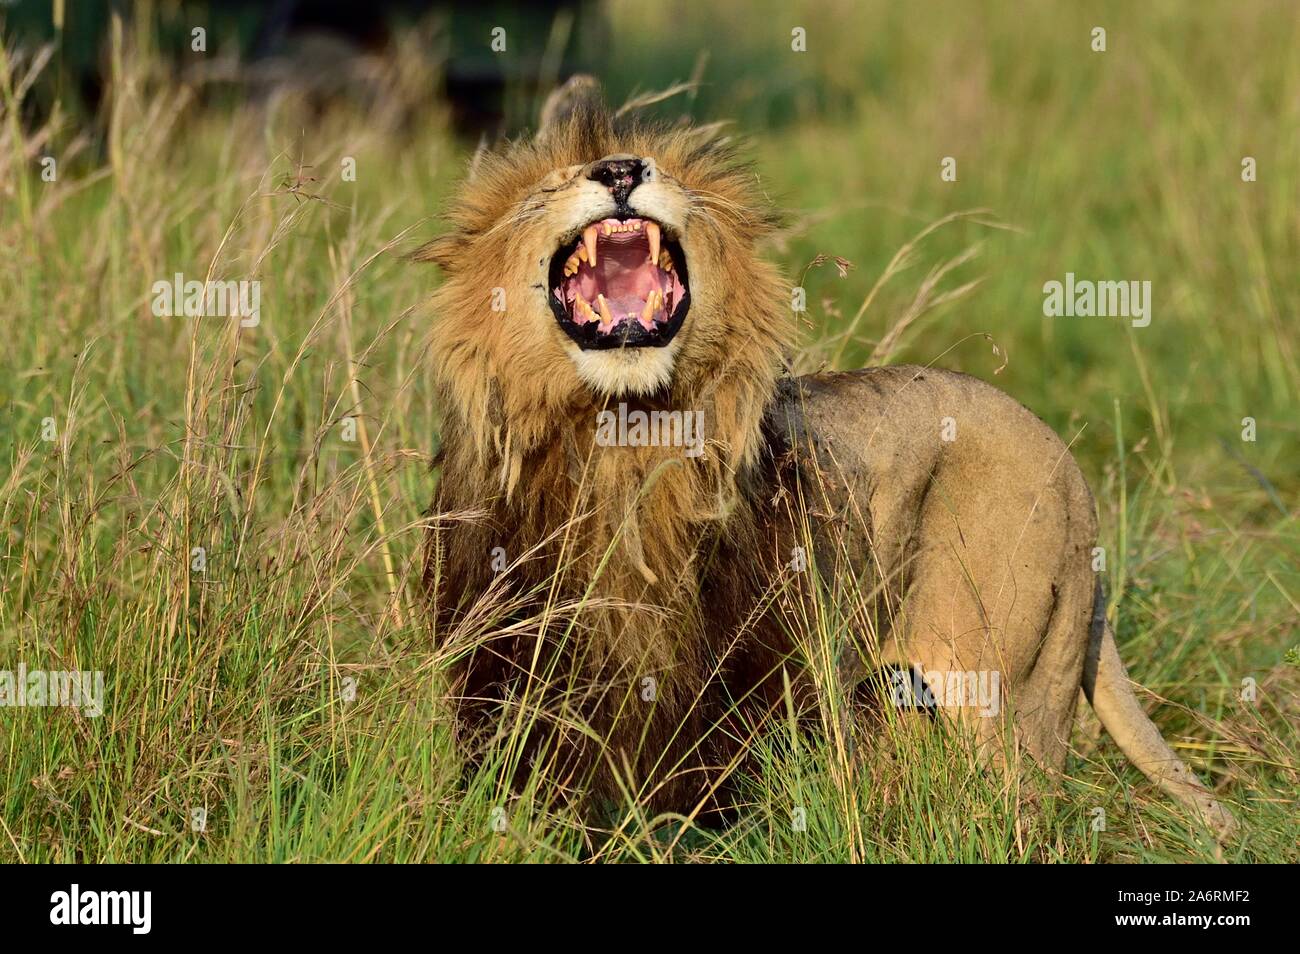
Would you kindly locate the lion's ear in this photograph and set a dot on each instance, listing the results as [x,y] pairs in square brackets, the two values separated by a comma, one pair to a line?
[579,97]
[441,251]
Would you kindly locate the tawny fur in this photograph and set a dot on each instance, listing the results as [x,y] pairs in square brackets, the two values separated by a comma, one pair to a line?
[633,626]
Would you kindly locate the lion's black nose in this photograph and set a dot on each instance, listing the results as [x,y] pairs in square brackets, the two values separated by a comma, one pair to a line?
[619,174]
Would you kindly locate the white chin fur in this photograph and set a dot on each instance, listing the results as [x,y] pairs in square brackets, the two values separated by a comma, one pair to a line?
[621,371]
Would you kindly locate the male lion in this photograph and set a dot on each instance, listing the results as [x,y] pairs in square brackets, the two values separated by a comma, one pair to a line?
[620,610]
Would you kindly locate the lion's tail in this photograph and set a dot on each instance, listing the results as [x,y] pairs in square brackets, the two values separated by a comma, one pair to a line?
[1107,687]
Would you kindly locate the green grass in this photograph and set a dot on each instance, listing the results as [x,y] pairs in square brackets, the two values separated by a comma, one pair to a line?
[229,689]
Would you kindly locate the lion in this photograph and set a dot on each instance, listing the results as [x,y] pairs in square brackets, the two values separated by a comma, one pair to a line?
[619,608]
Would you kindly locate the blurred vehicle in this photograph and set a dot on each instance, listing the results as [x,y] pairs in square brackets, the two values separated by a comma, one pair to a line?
[494,59]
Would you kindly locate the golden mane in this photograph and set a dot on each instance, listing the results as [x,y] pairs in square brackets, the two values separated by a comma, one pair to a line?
[488,376]
[615,530]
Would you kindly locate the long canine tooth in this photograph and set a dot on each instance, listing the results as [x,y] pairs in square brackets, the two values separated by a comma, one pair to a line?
[652,235]
[589,243]
[605,316]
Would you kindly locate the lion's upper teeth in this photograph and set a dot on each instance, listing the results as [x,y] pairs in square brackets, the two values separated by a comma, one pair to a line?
[589,243]
[652,236]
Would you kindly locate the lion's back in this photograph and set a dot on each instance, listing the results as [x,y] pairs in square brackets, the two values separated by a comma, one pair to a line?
[954,485]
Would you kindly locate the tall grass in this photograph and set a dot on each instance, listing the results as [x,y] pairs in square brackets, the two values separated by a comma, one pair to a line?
[291,688]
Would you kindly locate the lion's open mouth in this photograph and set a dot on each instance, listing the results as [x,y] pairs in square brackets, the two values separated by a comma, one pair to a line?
[620,284]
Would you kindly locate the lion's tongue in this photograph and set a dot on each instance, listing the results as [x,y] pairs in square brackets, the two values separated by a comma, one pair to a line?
[624,275]
[624,286]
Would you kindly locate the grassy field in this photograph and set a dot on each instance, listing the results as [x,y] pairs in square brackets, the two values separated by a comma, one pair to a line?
[282,681]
